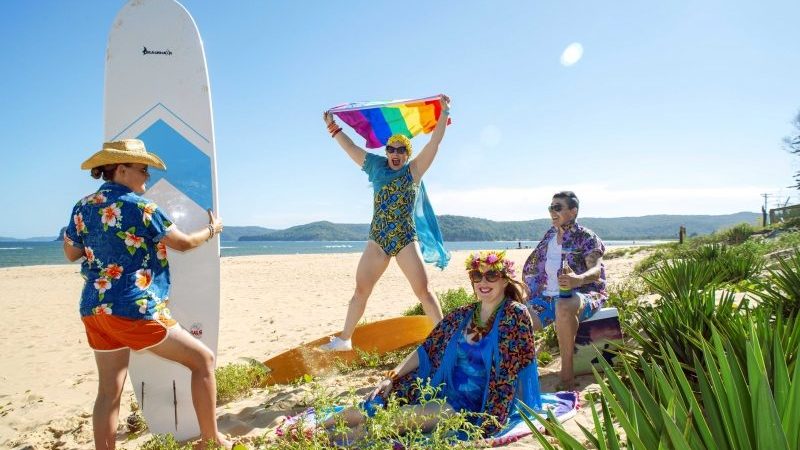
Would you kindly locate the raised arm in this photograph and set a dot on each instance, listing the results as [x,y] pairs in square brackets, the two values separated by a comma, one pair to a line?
[356,153]
[421,163]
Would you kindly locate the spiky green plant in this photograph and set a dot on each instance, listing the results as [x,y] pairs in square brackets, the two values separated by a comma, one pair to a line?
[675,279]
[735,264]
[737,234]
[779,292]
[732,406]
[689,306]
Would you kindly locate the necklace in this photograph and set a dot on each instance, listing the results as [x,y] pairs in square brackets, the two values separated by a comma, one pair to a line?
[475,330]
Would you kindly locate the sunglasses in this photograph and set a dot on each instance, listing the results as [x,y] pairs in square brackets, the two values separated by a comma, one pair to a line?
[491,276]
[399,150]
[143,170]
[555,207]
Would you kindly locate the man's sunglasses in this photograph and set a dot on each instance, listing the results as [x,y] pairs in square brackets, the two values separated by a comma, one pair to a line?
[399,150]
[491,276]
[556,207]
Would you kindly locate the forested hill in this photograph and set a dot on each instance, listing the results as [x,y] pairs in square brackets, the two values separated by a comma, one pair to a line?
[460,228]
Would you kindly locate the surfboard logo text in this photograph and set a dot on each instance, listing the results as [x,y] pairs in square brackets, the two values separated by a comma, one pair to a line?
[145,51]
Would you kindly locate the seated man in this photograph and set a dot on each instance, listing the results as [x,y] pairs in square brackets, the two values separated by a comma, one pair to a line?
[581,283]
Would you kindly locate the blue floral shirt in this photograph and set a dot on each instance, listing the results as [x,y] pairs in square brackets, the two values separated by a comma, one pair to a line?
[125,265]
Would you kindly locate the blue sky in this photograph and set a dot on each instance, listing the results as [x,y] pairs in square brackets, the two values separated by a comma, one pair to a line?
[676,107]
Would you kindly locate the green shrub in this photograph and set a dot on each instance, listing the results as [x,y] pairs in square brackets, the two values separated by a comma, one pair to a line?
[737,234]
[544,358]
[372,360]
[162,442]
[382,429]
[625,295]
[450,300]
[237,380]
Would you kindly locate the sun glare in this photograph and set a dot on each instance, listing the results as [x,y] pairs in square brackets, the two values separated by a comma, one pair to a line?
[572,54]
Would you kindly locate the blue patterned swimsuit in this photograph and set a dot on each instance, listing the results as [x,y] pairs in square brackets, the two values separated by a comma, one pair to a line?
[392,225]
[469,376]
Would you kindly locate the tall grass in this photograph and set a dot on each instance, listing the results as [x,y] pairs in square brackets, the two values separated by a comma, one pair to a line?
[449,299]
[235,381]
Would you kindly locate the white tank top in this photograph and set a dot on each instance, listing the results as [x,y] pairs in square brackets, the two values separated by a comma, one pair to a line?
[551,265]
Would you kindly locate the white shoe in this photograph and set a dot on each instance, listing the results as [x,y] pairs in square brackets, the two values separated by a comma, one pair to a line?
[337,345]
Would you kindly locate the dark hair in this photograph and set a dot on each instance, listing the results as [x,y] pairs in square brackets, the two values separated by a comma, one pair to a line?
[106,171]
[516,291]
[570,197]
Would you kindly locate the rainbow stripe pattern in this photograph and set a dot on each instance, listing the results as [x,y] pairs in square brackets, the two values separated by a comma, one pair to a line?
[377,121]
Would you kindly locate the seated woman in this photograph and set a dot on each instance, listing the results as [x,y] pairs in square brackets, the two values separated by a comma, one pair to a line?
[481,356]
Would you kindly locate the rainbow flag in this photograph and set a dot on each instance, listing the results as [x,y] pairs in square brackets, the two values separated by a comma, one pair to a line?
[377,121]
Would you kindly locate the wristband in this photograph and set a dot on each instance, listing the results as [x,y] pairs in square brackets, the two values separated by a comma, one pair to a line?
[210,232]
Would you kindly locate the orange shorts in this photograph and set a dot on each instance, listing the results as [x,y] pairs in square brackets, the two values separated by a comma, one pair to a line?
[108,333]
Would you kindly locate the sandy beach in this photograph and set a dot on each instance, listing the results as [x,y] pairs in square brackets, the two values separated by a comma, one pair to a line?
[269,304]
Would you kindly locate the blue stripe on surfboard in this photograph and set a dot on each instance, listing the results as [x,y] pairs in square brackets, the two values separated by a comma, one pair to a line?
[188,168]
[117,136]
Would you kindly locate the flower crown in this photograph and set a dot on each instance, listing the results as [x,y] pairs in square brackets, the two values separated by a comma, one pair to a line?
[490,260]
[401,139]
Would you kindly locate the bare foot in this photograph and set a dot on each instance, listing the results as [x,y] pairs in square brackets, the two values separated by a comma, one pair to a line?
[221,442]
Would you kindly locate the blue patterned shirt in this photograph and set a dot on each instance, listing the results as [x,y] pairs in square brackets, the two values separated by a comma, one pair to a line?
[125,265]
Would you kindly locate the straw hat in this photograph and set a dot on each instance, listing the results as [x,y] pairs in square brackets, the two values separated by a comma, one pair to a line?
[123,151]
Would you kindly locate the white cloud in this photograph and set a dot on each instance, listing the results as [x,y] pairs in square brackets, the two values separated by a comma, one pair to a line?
[572,54]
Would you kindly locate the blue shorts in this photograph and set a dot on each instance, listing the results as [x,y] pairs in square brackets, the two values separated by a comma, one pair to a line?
[544,306]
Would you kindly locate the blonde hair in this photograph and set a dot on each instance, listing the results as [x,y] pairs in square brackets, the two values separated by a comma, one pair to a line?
[401,139]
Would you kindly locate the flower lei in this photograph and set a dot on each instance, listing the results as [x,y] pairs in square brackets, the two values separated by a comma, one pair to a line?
[490,260]
[477,330]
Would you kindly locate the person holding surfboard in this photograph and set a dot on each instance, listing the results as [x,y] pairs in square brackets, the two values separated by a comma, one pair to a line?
[481,357]
[567,278]
[122,238]
[400,209]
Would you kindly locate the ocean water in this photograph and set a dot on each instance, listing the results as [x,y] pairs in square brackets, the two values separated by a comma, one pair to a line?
[27,253]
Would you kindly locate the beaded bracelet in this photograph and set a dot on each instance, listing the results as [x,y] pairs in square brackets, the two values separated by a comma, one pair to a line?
[333,134]
[211,232]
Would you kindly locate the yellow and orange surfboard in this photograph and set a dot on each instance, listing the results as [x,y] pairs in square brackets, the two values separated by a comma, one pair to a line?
[378,337]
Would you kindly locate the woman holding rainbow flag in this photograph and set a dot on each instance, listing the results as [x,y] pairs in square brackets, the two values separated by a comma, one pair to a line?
[403,223]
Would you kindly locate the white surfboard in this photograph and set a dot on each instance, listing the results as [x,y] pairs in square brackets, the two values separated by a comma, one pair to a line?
[157,90]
